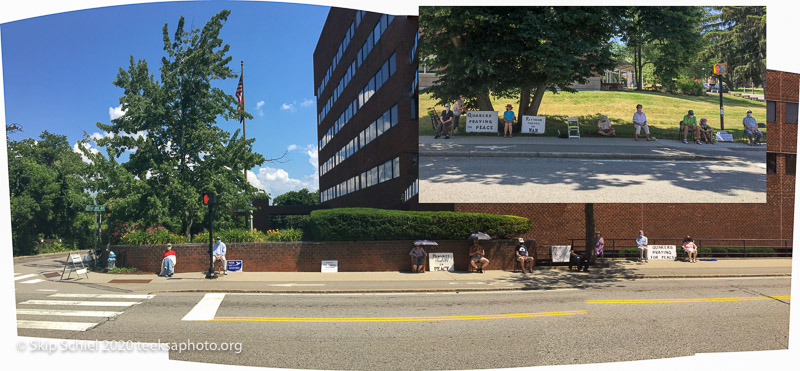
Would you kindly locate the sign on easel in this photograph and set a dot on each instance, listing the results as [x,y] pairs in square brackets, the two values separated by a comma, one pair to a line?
[73,261]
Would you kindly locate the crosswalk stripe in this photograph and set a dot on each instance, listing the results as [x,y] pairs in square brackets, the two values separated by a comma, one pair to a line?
[82,303]
[37,280]
[47,290]
[17,274]
[17,278]
[206,309]
[101,296]
[67,313]
[51,325]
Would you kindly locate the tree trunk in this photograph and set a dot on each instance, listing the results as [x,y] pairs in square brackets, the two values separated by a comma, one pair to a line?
[639,62]
[537,99]
[588,210]
[189,222]
[524,102]
[484,102]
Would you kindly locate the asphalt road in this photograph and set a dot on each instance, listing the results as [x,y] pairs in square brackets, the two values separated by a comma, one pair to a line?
[560,180]
[595,322]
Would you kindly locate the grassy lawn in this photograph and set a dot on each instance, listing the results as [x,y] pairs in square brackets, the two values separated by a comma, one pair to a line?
[758,91]
[664,111]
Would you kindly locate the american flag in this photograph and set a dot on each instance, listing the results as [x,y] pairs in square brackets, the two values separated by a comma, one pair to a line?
[240,96]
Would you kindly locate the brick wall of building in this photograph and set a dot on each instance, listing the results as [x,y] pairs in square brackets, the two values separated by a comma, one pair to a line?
[353,256]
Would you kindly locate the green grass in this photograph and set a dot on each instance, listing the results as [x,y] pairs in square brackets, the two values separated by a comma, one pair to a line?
[664,111]
[758,91]
[121,270]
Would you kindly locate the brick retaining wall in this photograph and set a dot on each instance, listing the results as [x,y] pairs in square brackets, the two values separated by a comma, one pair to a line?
[353,256]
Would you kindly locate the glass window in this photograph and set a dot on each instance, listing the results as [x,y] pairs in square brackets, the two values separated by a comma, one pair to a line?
[358,18]
[396,166]
[364,180]
[378,80]
[791,113]
[376,33]
[387,120]
[384,23]
[371,89]
[395,118]
[392,65]
[379,125]
[772,162]
[413,105]
[385,71]
[771,111]
[373,129]
[791,164]
[361,135]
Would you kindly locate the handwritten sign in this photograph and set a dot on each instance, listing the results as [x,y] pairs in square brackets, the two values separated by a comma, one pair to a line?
[560,253]
[440,261]
[330,266]
[724,136]
[481,121]
[661,252]
[234,265]
[533,124]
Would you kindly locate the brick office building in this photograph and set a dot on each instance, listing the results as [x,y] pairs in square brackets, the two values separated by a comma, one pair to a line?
[365,76]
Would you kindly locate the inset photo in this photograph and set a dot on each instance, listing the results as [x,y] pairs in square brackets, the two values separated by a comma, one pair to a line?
[591,104]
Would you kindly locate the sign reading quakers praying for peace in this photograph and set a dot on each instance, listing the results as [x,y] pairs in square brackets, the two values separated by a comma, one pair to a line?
[481,121]
[533,124]
[661,252]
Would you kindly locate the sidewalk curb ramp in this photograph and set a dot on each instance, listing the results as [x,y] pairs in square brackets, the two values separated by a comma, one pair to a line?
[593,156]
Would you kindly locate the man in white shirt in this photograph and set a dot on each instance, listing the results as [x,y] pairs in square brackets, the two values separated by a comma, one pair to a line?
[641,243]
[219,254]
[640,122]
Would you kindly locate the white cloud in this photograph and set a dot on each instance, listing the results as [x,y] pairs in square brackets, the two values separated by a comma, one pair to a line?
[289,106]
[313,156]
[291,147]
[277,181]
[258,108]
[307,102]
[115,112]
[76,149]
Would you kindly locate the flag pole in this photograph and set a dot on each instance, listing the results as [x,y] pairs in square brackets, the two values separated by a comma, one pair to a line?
[249,216]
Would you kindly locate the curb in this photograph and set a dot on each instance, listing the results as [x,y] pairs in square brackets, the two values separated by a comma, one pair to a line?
[593,156]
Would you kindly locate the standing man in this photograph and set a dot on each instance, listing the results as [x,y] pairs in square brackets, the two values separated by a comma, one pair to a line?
[751,128]
[522,256]
[508,117]
[447,120]
[219,254]
[458,109]
[641,243]
[476,254]
[690,120]
[640,122]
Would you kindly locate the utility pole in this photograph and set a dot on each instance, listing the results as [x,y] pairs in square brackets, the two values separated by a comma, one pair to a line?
[210,199]
[248,219]
[721,69]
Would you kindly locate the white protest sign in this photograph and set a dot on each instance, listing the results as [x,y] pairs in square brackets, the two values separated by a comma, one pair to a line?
[723,136]
[440,261]
[481,121]
[661,252]
[533,124]
[330,266]
[560,253]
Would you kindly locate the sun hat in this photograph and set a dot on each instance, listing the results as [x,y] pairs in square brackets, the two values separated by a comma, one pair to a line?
[749,111]
[508,105]
[604,118]
[521,240]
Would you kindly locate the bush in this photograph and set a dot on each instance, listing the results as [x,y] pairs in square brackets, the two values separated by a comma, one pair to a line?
[151,236]
[242,235]
[720,251]
[691,87]
[631,252]
[362,224]
[121,270]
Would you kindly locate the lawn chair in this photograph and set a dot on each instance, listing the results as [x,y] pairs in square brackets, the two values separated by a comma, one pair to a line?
[572,127]
[691,133]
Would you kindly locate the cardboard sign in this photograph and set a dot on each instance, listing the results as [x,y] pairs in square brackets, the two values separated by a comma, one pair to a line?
[75,258]
[440,261]
[481,121]
[661,252]
[560,253]
[234,265]
[533,124]
[723,136]
[330,266]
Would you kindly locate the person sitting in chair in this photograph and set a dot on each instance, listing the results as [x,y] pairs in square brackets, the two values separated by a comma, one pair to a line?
[476,254]
[604,127]
[418,255]
[705,132]
[522,256]
[219,254]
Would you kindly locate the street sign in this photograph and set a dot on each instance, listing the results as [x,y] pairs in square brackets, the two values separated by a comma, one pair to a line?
[95,208]
[441,261]
[720,69]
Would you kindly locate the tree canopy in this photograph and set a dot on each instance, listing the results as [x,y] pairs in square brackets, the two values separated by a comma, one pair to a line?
[737,35]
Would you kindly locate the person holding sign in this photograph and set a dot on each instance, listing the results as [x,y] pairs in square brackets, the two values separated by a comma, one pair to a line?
[640,122]
[508,117]
[522,256]
[641,243]
[690,248]
[418,255]
[604,126]
[751,129]
[477,255]
[168,262]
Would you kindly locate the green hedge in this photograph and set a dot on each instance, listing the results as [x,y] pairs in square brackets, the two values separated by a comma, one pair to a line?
[363,224]
[242,235]
[631,252]
[719,251]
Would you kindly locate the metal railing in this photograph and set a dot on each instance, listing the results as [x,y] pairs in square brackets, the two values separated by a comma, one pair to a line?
[707,247]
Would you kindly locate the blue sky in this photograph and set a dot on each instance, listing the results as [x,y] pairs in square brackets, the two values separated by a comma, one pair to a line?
[58,72]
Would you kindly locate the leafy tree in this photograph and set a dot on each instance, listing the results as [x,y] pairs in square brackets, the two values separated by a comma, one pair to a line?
[515,51]
[178,152]
[737,35]
[46,183]
[294,198]
[667,37]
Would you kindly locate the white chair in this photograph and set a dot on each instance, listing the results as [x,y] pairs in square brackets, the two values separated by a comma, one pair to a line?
[572,126]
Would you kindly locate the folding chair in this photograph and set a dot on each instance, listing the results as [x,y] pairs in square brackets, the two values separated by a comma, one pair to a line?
[572,126]
[691,133]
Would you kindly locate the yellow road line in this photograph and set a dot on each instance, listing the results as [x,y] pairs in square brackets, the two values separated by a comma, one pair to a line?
[399,319]
[697,300]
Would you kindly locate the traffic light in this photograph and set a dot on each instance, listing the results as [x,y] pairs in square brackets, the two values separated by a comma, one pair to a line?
[720,69]
[209,199]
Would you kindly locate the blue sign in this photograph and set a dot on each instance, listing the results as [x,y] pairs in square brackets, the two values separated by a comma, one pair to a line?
[235,265]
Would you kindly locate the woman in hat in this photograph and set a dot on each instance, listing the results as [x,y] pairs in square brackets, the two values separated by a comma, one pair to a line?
[418,255]
[508,117]
[604,126]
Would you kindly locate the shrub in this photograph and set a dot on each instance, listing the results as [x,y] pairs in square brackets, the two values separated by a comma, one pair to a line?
[362,224]
[243,235]
[151,236]
[121,270]
[631,252]
[691,87]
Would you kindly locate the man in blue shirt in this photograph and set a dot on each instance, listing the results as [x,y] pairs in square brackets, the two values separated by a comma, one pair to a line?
[641,243]
[522,256]
[219,254]
[751,128]
[508,117]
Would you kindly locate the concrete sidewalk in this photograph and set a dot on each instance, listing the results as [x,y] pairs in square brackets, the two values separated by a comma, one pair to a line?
[587,147]
[383,282]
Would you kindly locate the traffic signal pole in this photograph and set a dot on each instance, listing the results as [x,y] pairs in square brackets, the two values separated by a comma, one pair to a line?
[721,108]
[209,199]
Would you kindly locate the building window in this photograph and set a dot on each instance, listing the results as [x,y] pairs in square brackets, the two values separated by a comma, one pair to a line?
[394,115]
[791,164]
[772,162]
[396,166]
[791,113]
[414,103]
